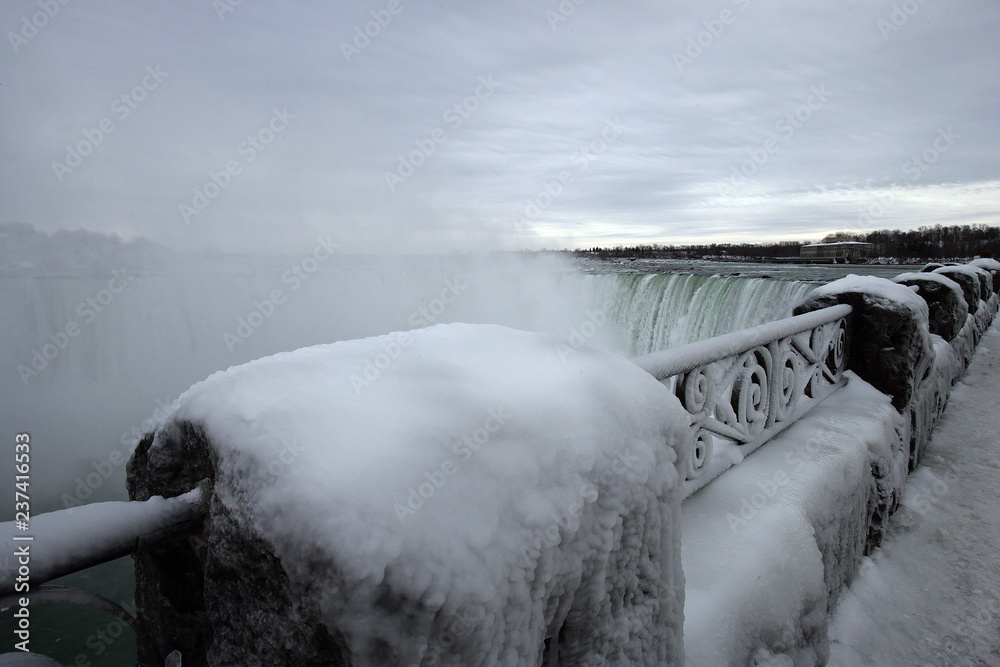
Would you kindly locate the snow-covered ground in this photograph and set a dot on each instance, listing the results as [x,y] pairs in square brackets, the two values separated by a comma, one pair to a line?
[931,594]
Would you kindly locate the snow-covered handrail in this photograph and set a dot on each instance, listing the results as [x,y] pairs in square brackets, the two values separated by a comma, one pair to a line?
[65,541]
[743,388]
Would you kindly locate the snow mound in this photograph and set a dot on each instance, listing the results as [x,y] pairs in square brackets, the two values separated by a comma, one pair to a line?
[515,480]
[939,278]
[987,263]
[970,269]
[945,299]
[890,346]
[878,287]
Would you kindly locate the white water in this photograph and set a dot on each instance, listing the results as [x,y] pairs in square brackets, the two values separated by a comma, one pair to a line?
[655,312]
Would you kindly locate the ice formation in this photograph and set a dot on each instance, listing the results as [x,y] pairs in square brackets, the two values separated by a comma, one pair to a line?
[467,493]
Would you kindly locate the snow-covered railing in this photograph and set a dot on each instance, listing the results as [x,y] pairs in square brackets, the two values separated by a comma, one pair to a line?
[66,541]
[743,388]
[54,544]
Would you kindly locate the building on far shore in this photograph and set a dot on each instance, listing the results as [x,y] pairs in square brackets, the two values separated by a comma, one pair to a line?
[837,252]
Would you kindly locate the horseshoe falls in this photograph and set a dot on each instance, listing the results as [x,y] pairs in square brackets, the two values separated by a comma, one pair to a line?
[657,311]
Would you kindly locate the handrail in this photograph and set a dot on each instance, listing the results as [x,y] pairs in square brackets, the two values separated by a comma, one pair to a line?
[743,388]
[66,541]
[683,358]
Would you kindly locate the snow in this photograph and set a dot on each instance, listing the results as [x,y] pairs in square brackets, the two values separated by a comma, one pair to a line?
[949,362]
[471,470]
[969,270]
[765,545]
[879,287]
[987,263]
[931,595]
[933,277]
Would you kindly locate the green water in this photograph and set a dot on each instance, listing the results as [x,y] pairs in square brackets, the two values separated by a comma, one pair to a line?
[79,635]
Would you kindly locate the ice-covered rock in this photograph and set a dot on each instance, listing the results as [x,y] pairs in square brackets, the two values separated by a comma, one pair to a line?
[968,278]
[985,282]
[991,265]
[945,301]
[890,344]
[462,494]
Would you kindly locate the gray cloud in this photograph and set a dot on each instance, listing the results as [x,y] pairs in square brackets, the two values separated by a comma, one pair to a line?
[725,137]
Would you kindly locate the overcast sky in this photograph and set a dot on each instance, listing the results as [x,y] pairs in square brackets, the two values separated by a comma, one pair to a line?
[598,123]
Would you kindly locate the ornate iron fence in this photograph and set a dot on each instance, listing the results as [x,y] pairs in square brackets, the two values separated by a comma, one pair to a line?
[743,388]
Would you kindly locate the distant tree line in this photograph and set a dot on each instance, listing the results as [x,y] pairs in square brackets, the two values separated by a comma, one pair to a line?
[928,242]
[922,243]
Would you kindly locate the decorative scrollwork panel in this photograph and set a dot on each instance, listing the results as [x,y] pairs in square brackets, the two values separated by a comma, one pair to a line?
[739,401]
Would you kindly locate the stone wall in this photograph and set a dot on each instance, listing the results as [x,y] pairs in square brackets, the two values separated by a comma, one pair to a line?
[912,338]
[915,353]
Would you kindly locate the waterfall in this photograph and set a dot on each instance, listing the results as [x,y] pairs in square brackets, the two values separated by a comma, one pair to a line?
[657,311]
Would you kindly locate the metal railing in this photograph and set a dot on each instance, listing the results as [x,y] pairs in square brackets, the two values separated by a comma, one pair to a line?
[55,544]
[742,389]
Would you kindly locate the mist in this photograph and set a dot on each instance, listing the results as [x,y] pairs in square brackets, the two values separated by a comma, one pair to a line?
[93,357]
